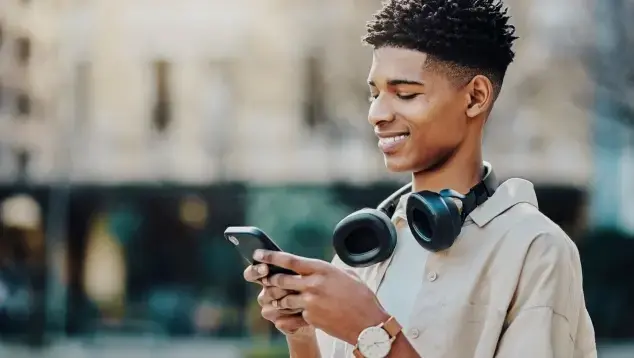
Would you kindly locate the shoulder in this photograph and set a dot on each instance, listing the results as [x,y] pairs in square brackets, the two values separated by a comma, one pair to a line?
[548,266]
[526,242]
[525,226]
[512,216]
[544,237]
[550,274]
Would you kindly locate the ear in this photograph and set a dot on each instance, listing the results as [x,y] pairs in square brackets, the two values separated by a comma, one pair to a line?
[480,91]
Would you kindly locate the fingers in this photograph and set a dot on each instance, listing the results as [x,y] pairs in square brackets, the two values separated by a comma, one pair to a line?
[254,273]
[290,302]
[290,324]
[290,312]
[272,314]
[289,282]
[269,294]
[301,265]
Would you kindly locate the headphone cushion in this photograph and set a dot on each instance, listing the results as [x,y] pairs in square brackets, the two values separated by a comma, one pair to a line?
[364,238]
[434,221]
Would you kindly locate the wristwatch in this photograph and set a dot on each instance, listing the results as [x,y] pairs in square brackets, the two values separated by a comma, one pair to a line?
[376,341]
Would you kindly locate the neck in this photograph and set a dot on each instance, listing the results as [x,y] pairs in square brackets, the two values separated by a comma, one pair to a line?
[459,172]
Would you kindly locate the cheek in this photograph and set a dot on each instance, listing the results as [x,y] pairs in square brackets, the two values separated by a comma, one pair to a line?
[418,113]
[438,129]
[435,122]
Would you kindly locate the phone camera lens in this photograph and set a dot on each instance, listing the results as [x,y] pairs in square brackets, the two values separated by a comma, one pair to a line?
[234,240]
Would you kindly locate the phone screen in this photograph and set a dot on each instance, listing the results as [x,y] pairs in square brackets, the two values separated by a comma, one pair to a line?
[247,242]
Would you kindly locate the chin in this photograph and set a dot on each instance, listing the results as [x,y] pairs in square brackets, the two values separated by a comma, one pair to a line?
[397,164]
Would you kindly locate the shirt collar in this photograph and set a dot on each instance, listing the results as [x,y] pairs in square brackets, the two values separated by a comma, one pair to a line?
[401,213]
[508,194]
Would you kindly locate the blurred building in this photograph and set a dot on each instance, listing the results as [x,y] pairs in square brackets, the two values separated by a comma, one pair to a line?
[28,99]
[269,90]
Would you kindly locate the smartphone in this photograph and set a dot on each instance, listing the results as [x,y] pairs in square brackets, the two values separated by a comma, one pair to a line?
[247,239]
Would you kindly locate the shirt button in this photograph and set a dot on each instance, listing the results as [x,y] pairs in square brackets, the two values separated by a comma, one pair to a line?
[432,276]
[413,333]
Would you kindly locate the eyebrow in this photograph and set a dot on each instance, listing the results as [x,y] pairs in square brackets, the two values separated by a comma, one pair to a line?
[397,82]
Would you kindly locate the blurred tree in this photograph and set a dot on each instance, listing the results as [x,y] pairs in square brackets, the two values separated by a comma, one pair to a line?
[612,61]
[299,219]
[606,258]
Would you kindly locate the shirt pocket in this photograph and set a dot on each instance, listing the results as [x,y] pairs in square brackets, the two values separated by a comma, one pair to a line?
[456,330]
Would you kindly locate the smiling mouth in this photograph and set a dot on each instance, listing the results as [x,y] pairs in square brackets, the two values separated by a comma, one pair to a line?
[390,144]
[390,140]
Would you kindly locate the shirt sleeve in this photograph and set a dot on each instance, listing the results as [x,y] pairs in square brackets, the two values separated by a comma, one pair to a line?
[548,307]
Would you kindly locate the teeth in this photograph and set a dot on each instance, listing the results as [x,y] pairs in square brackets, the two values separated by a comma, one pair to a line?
[393,139]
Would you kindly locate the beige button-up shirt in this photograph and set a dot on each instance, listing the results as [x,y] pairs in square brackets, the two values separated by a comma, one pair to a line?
[509,287]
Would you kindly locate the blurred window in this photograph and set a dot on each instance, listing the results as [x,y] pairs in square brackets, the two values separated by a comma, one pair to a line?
[314,102]
[23,50]
[23,104]
[82,92]
[162,109]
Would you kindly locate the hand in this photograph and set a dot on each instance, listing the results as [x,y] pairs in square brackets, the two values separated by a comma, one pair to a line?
[333,300]
[287,321]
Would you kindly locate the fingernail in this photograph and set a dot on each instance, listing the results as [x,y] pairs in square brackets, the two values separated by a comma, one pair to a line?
[262,269]
[258,255]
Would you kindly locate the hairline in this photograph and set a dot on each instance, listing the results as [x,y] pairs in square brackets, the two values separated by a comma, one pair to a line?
[458,74]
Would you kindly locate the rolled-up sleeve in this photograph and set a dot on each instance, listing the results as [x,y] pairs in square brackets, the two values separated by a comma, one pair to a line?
[547,317]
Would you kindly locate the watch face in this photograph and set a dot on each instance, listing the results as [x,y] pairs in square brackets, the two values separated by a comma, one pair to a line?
[374,342]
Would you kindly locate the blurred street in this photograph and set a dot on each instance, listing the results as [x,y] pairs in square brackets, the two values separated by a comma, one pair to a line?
[184,349]
[132,348]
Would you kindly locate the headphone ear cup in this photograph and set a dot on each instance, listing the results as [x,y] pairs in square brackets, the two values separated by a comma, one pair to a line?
[364,238]
[433,220]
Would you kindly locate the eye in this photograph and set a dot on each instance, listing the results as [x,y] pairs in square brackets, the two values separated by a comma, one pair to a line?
[372,97]
[407,96]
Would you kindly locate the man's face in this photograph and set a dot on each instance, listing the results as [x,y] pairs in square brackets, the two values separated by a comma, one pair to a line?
[418,114]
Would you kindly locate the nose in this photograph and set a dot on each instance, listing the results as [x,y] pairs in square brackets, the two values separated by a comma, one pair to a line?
[380,111]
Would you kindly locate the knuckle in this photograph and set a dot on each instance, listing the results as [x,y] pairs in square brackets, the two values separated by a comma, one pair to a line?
[306,315]
[291,261]
[309,299]
[284,302]
[266,256]
[316,283]
[284,326]
[248,273]
[290,311]
[265,313]
[276,280]
[277,293]
[262,297]
[269,313]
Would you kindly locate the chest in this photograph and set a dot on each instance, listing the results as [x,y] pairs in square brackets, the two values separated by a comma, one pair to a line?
[402,284]
[461,295]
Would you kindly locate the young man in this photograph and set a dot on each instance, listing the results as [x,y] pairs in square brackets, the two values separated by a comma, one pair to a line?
[510,286]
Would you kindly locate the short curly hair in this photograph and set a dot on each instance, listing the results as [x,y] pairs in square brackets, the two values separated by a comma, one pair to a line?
[468,37]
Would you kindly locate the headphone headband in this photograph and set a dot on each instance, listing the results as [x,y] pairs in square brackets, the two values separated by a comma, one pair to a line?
[388,206]
[476,196]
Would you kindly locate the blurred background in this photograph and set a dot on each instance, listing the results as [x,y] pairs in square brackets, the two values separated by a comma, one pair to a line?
[133,132]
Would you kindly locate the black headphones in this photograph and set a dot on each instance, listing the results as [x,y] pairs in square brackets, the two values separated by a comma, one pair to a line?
[368,236]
